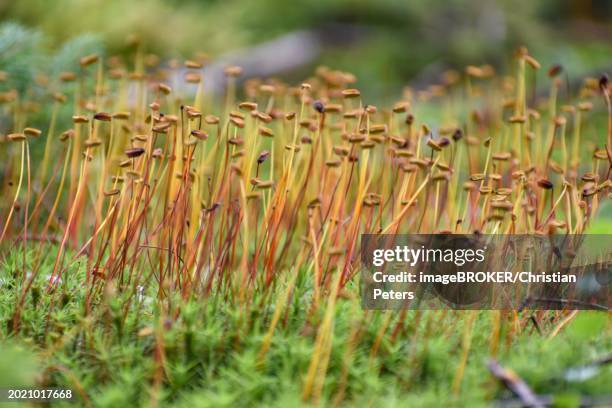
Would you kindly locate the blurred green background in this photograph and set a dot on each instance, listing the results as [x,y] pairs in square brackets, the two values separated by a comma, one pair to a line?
[386,43]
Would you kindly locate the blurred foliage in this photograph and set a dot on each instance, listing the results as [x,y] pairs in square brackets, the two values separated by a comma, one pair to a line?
[18,365]
[23,56]
[401,39]
[19,54]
